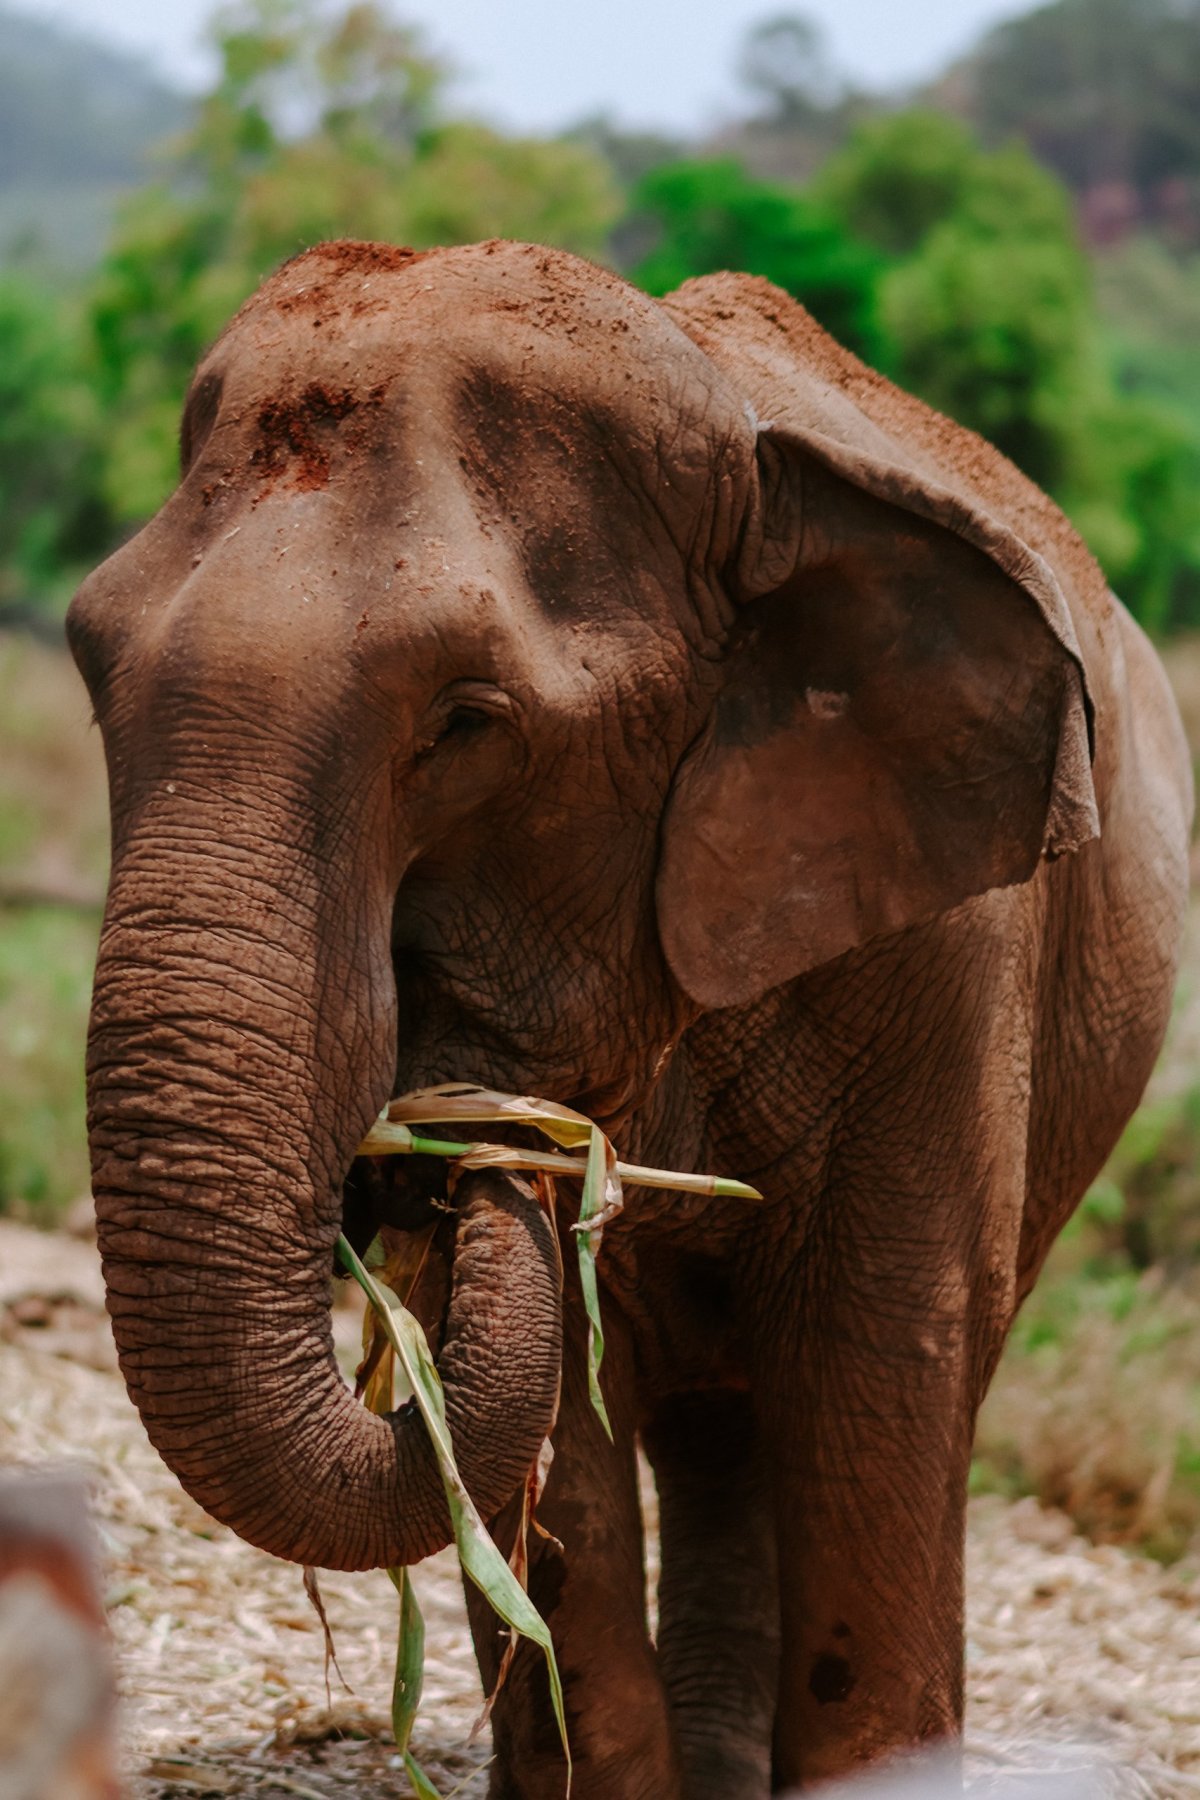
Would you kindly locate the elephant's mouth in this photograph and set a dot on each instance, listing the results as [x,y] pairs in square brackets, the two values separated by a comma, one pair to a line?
[401,1193]
[404,1201]
[411,1204]
[412,1193]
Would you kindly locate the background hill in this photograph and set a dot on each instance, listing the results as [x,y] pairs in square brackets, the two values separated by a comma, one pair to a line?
[1106,93]
[78,122]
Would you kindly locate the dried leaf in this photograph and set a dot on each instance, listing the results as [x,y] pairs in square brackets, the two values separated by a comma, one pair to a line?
[591,1205]
[472,1105]
[390,1137]
[541,1469]
[312,1589]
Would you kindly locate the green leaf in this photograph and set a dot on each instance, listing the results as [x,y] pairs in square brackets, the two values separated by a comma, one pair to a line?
[410,1659]
[422,1786]
[477,1553]
[590,1207]
[1104,1203]
[409,1680]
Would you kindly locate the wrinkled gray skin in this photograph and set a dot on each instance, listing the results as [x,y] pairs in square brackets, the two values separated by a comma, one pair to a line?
[641,706]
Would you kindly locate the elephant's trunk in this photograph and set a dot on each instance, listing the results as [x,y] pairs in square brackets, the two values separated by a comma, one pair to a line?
[232,1071]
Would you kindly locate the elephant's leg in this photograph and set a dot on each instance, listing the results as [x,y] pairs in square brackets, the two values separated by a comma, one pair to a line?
[876,1304]
[718,1610]
[591,1592]
[868,1403]
[870,1461]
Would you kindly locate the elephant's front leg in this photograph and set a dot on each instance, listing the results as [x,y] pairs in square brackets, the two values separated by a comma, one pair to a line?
[868,1393]
[590,1588]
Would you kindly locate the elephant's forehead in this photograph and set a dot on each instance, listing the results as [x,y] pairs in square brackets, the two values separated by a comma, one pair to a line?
[353,325]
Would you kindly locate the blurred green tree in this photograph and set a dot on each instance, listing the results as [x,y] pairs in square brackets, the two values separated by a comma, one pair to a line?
[987,296]
[710,215]
[987,301]
[898,177]
[318,126]
[51,514]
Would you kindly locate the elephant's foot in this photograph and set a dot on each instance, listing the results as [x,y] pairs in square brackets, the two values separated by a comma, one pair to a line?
[622,1744]
[640,1769]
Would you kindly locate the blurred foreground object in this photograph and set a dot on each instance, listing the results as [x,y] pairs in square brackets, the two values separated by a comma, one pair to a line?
[1051,1772]
[55,1677]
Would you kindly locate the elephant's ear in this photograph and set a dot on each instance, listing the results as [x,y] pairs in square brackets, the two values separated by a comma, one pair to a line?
[903,720]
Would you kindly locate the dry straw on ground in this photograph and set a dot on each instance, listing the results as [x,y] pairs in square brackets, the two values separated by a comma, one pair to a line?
[221,1658]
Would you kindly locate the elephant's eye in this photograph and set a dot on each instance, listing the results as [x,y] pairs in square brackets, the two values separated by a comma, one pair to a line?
[457,725]
[463,722]
[462,712]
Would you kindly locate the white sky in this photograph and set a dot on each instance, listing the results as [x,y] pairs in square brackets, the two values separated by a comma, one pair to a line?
[539,64]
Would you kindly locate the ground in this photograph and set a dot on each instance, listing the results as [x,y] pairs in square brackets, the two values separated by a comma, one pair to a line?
[220,1657]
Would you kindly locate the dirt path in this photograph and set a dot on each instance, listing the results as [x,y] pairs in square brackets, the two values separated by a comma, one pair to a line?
[221,1659]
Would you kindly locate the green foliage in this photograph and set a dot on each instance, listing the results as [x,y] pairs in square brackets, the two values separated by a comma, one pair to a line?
[1133,490]
[958,271]
[898,178]
[46,961]
[990,329]
[989,303]
[50,512]
[629,154]
[987,296]
[1149,304]
[1149,299]
[318,127]
[1149,1200]
[1096,1405]
[712,215]
[53,834]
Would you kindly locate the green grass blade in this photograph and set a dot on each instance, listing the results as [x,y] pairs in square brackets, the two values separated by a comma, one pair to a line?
[410,1659]
[600,1201]
[409,1680]
[423,1788]
[477,1553]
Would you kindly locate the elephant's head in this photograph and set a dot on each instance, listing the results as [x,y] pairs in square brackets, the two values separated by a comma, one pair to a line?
[495,693]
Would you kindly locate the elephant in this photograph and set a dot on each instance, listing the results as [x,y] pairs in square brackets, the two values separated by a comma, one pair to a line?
[643,705]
